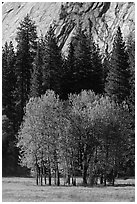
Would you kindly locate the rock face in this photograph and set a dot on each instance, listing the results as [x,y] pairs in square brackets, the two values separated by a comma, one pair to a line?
[99,18]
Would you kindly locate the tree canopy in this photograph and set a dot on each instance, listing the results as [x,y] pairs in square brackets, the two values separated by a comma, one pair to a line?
[68,115]
[118,84]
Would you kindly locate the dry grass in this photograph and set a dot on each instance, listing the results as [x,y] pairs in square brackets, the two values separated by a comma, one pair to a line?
[25,190]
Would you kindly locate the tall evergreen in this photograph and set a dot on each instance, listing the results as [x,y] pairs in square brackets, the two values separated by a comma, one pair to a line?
[106,66]
[37,74]
[118,77]
[26,51]
[8,81]
[130,154]
[131,54]
[83,66]
[68,80]
[9,153]
[9,150]
[97,68]
[53,63]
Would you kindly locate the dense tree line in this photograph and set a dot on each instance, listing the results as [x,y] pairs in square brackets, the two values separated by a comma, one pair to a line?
[87,136]
[53,127]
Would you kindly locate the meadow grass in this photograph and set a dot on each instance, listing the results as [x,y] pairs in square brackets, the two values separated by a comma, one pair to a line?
[25,190]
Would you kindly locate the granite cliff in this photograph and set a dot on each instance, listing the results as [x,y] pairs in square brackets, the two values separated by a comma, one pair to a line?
[101,18]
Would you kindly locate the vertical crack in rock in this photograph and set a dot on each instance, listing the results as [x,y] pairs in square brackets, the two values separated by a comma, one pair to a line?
[104,9]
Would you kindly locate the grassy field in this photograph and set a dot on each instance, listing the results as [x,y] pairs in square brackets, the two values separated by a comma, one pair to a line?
[25,190]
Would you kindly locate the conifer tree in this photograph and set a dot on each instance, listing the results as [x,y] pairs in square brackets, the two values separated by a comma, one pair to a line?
[129,163]
[118,77]
[26,51]
[68,81]
[52,69]
[131,54]
[8,80]
[97,67]
[106,66]
[37,74]
[83,66]
[10,154]
[8,148]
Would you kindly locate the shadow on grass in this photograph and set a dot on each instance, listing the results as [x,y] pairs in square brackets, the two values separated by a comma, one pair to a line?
[108,185]
[31,182]
[124,185]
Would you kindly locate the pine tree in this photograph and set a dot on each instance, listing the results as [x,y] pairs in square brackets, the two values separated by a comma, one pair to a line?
[68,80]
[52,63]
[9,150]
[37,74]
[130,153]
[131,54]
[10,154]
[118,78]
[97,67]
[26,51]
[106,66]
[83,66]
[8,81]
